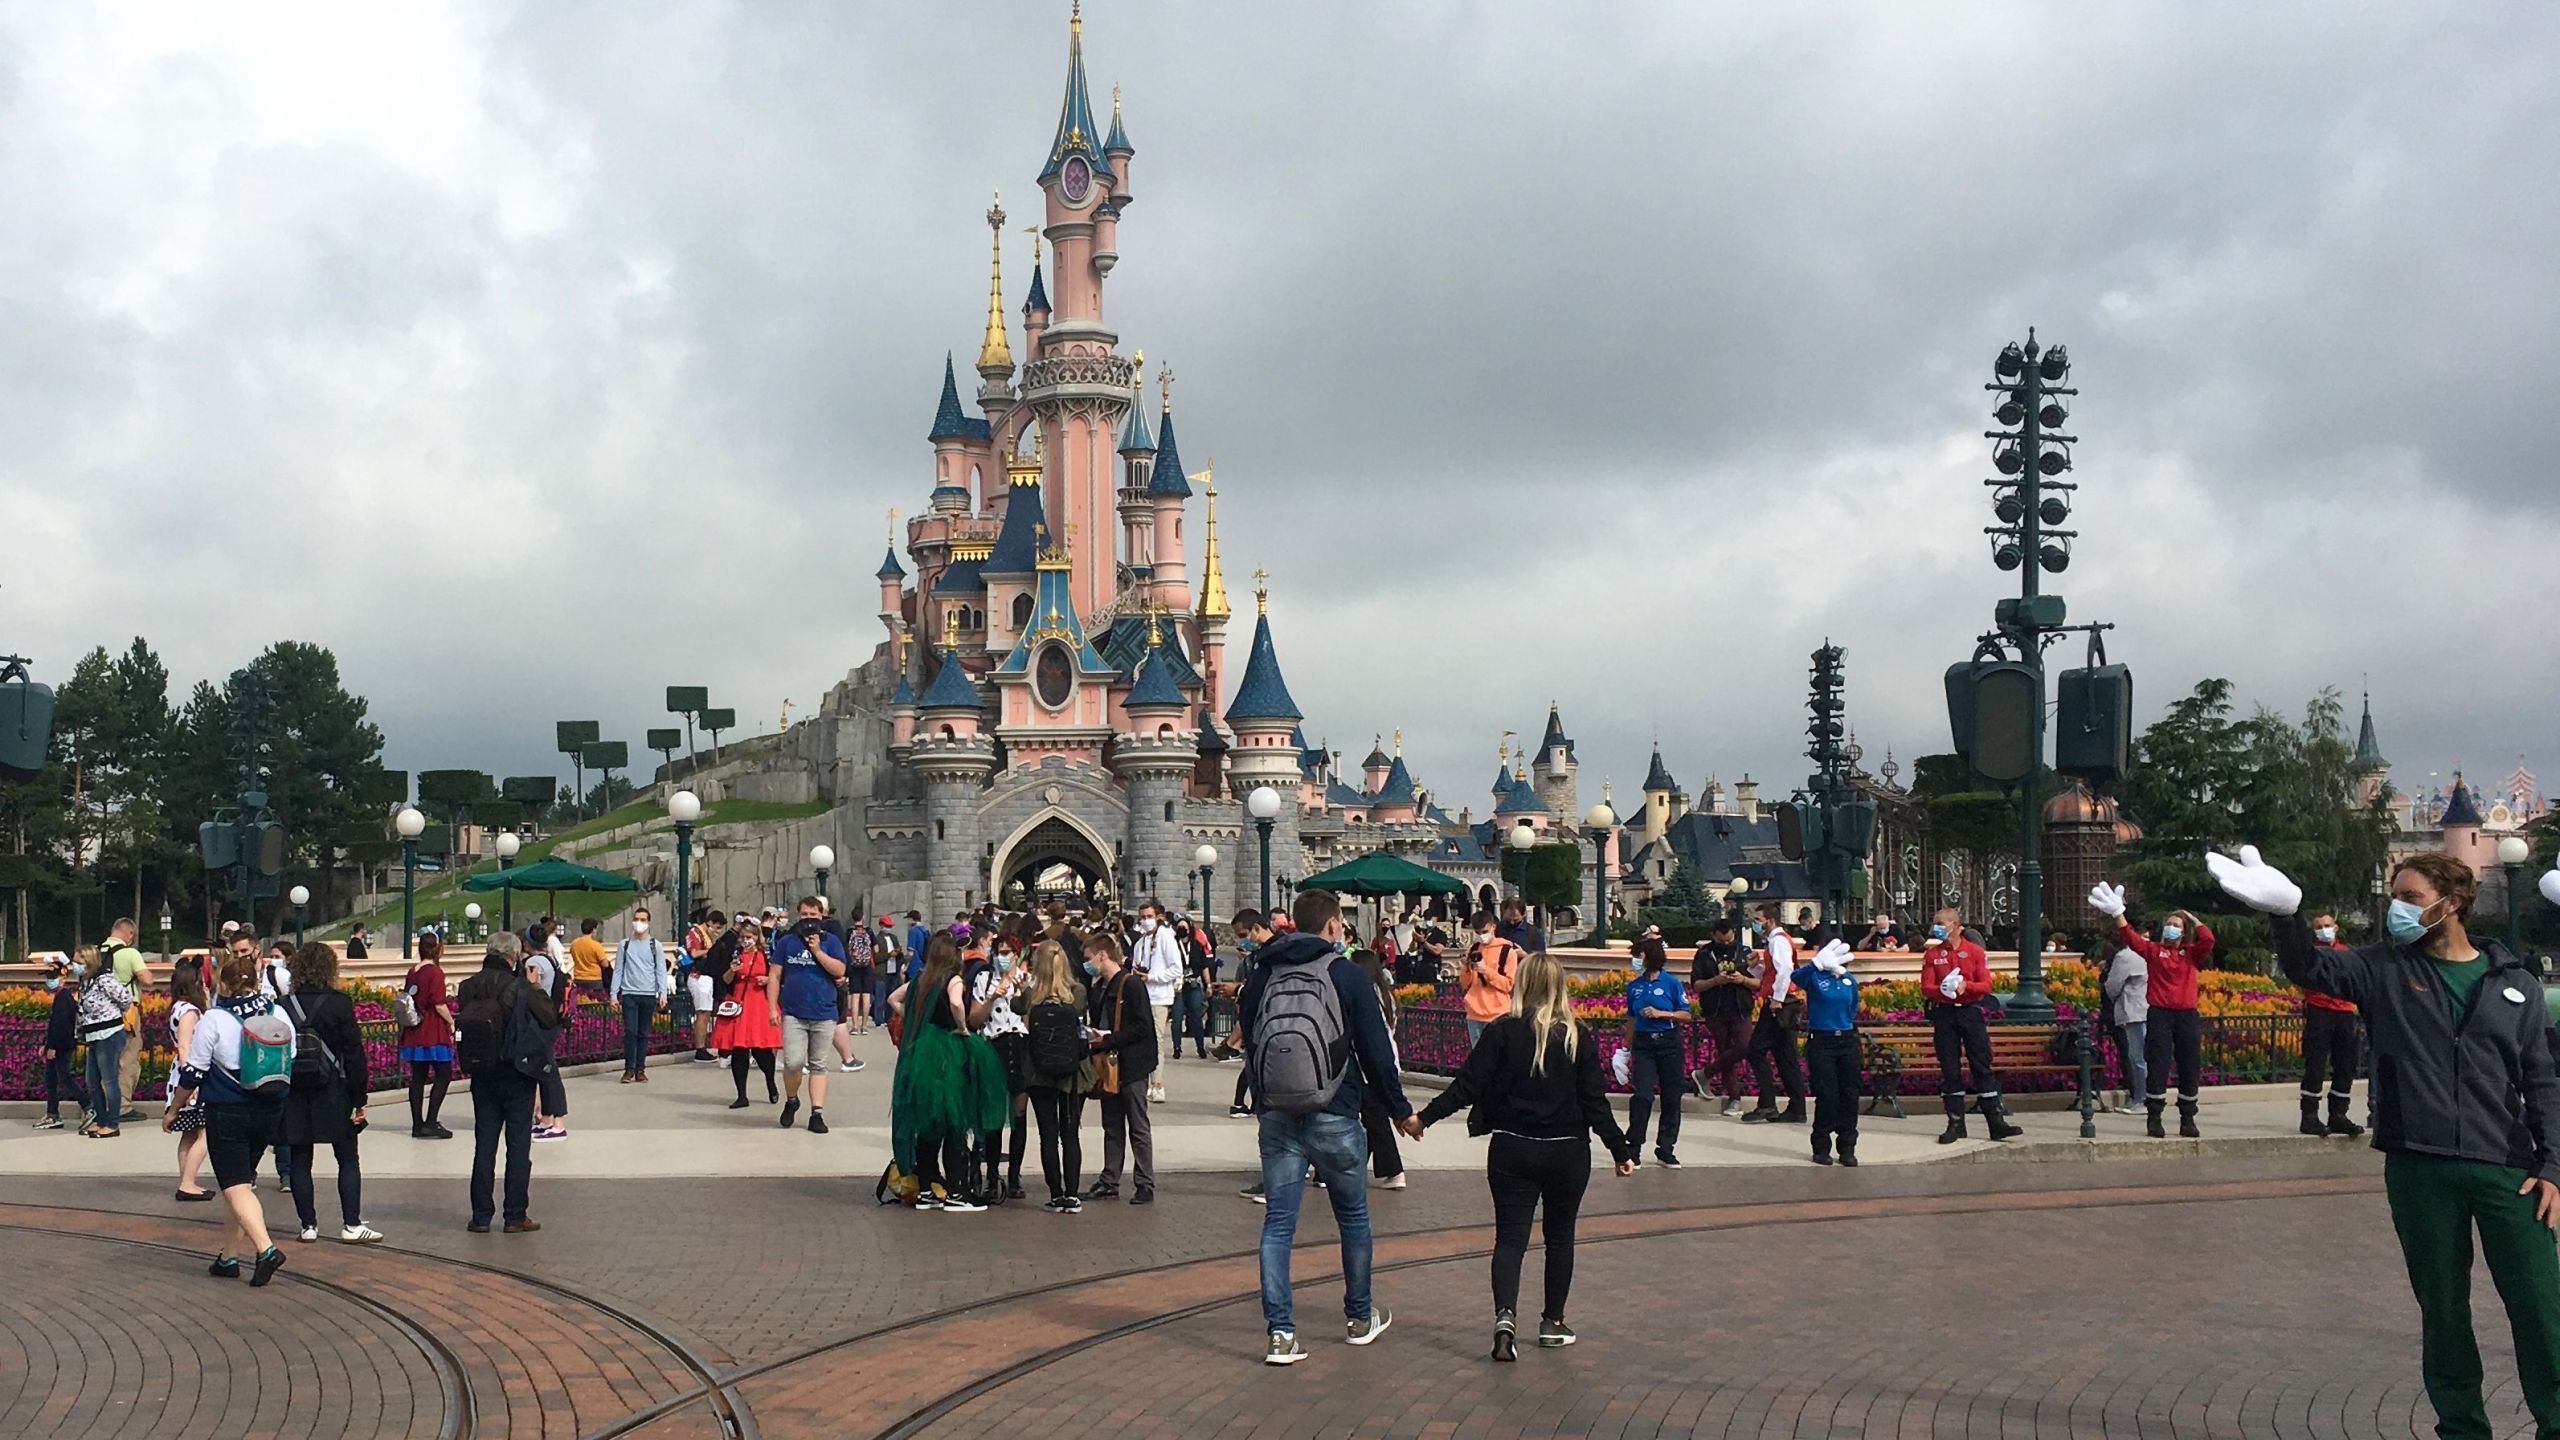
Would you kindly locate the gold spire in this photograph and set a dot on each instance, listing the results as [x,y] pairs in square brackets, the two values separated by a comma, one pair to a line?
[951,629]
[1155,636]
[1164,381]
[1213,581]
[1399,742]
[1261,592]
[995,354]
[893,529]
[1075,18]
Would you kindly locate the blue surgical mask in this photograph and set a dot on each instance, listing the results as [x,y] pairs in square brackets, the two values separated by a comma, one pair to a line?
[1246,947]
[78,970]
[53,983]
[2406,922]
[1937,932]
[2169,934]
[2325,933]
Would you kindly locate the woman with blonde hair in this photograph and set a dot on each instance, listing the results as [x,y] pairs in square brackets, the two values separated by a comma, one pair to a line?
[1534,1083]
[1058,1071]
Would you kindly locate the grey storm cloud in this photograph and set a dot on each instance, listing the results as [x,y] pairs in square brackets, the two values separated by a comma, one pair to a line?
[1614,356]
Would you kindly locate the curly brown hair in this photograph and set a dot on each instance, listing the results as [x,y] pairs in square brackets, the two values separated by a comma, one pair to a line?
[2451,878]
[315,968]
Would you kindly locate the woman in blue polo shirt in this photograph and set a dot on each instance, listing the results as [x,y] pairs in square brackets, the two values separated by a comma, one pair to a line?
[1656,1004]
[1831,1051]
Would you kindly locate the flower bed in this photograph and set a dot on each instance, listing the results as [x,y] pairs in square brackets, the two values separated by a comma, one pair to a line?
[594,1033]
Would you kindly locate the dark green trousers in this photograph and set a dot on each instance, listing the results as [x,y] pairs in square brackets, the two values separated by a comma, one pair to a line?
[2436,1203]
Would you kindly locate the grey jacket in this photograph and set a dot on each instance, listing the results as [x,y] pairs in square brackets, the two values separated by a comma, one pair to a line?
[2128,987]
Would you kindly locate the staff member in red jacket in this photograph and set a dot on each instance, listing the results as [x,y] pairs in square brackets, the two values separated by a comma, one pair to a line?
[2177,1034]
[2329,1035]
[1955,980]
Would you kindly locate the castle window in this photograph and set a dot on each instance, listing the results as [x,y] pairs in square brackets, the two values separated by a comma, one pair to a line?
[937,825]
[1164,732]
[1021,612]
[947,734]
[1168,812]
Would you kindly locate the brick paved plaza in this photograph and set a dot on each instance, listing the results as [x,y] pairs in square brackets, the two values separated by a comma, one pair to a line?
[2251,1295]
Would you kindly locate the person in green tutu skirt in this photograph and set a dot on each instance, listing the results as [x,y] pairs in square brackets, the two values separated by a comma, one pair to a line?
[950,1084]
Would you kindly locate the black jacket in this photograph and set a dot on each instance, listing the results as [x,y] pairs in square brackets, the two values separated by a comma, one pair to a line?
[1124,999]
[493,981]
[1565,1103]
[2484,1092]
[319,1114]
[62,1023]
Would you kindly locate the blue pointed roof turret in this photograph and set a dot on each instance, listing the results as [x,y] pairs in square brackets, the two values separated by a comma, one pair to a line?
[1659,777]
[890,569]
[1167,478]
[1039,297]
[1555,737]
[950,422]
[2368,747]
[1211,742]
[1117,142]
[1134,439]
[1262,694]
[1017,549]
[1521,799]
[951,688]
[1398,789]
[2461,809]
[906,693]
[1077,134]
[1155,687]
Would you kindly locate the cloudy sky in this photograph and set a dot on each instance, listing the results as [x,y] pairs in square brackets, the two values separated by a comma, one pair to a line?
[536,357]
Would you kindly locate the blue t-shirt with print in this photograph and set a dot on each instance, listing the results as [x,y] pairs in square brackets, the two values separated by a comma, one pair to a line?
[1658,991]
[808,991]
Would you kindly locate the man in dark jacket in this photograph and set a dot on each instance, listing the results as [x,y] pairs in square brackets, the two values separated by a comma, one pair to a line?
[501,1096]
[1119,1010]
[1515,927]
[2466,1110]
[1331,1139]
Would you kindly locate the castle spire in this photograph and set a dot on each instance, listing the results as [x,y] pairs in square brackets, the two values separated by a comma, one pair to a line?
[1038,300]
[1213,581]
[1076,132]
[2368,747]
[995,354]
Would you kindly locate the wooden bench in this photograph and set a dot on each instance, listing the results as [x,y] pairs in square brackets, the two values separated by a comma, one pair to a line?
[1888,1050]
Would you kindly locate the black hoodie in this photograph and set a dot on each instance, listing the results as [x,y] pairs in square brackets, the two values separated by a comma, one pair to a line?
[2482,1091]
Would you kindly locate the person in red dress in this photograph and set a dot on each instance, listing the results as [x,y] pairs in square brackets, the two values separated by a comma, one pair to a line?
[428,1045]
[749,1020]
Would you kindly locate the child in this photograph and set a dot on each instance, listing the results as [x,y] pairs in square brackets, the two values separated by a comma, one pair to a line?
[61,1030]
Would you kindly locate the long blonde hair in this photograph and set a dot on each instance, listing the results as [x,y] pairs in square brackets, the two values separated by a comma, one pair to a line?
[1538,996]
[1053,980]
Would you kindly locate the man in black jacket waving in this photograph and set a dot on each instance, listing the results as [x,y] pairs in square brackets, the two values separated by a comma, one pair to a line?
[2466,1110]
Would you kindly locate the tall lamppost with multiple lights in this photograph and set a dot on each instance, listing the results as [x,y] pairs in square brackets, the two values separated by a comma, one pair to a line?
[508,845]
[684,807]
[1596,822]
[2513,852]
[300,898]
[1206,857]
[410,825]
[1264,806]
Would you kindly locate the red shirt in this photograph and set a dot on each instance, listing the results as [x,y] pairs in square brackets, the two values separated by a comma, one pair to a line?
[2173,967]
[2321,1000]
[427,978]
[1962,956]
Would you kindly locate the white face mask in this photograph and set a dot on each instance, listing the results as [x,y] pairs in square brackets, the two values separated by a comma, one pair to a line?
[639,927]
[1147,925]
[1484,937]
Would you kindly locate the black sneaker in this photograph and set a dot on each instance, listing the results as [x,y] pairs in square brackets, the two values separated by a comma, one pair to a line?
[1554,1333]
[817,1122]
[1144,1195]
[790,1111]
[1103,1190]
[1666,1159]
[1821,1157]
[1239,1112]
[1253,1192]
[1766,1114]
[225,1267]
[1013,1190]
[1056,1205]
[1504,1326]
[270,1260]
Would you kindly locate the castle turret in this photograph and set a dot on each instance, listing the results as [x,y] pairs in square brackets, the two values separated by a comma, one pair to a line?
[892,577]
[1035,306]
[1155,757]
[995,355]
[1137,459]
[1213,608]
[1373,771]
[953,429]
[1395,802]
[1167,489]
[1659,788]
[1555,768]
[1011,569]
[2372,772]
[1263,717]
[954,758]
[1117,149]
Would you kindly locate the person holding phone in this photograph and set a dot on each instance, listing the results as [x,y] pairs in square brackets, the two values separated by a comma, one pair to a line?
[993,990]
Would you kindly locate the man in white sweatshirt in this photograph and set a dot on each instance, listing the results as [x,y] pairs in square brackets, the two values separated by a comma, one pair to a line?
[1156,954]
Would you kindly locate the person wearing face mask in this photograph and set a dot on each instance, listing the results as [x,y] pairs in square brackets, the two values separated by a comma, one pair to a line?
[1955,980]
[638,975]
[1655,1007]
[2176,1034]
[1252,933]
[61,1035]
[809,962]
[2329,1034]
[2466,1113]
[1156,954]
[1485,977]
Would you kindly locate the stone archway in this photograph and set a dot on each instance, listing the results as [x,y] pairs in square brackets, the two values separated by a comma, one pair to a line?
[1052,854]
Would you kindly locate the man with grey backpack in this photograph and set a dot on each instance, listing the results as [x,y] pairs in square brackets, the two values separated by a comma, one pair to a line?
[1315,1043]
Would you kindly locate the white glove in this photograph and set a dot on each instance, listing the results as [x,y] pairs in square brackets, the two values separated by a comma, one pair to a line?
[1952,985]
[2108,900]
[1833,959]
[2254,883]
[1621,1065]
[2551,887]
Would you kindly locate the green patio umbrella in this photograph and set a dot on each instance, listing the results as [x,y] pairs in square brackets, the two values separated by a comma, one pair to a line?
[550,876]
[1378,874]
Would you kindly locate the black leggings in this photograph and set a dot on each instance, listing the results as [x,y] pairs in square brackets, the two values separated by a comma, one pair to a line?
[738,1069]
[350,1182]
[2175,1036]
[1061,1118]
[424,1106]
[994,1148]
[1522,1173]
[942,1164]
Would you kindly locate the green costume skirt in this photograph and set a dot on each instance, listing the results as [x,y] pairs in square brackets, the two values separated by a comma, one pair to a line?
[948,1085]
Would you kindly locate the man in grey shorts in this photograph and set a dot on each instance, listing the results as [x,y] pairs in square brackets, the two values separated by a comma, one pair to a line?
[811,961]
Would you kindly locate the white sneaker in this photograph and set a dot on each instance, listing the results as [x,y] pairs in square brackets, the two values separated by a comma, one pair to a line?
[1155,1092]
[1283,1349]
[1392,1182]
[359,1234]
[310,1233]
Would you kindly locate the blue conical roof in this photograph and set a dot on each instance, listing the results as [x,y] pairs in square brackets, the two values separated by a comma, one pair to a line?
[1521,799]
[1077,134]
[950,422]
[1398,789]
[890,569]
[1155,685]
[1039,297]
[1168,478]
[1555,735]
[2368,747]
[1117,142]
[952,689]
[2461,809]
[1262,694]
[906,693]
[1659,777]
[1017,549]
[1134,438]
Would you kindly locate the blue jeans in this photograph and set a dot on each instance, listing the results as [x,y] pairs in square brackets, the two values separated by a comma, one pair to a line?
[1190,1003]
[2137,1071]
[1339,1149]
[1475,1032]
[637,1012]
[104,1056]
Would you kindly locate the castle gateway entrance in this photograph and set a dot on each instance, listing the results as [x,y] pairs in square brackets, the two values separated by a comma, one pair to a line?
[1053,857]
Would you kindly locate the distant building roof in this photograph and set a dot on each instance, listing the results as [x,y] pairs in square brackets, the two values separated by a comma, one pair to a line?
[1210,740]
[1038,299]
[2461,809]
[2368,747]
[1659,777]
[1155,687]
[1017,550]
[964,577]
[1521,799]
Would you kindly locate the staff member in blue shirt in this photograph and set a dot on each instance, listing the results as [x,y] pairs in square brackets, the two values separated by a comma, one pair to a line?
[1656,1004]
[1831,1052]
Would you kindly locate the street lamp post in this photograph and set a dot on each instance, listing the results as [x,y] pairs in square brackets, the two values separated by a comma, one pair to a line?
[1206,857]
[1264,806]
[300,895]
[1522,838]
[1597,821]
[1733,893]
[822,858]
[2513,852]
[166,920]
[410,824]
[684,807]
[508,845]
[471,922]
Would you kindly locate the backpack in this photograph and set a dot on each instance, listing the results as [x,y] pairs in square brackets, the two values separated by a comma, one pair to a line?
[1300,1049]
[1057,1044]
[497,1035]
[315,1066]
[266,1055]
[404,1006]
